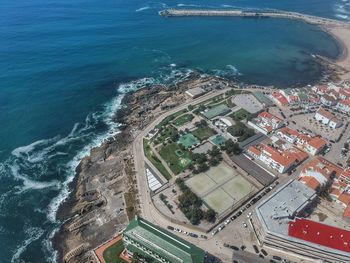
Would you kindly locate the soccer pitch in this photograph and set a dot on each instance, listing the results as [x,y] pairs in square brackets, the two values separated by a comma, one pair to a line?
[221,187]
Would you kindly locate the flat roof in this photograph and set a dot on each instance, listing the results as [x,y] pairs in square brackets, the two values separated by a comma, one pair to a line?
[163,242]
[321,234]
[274,212]
[196,91]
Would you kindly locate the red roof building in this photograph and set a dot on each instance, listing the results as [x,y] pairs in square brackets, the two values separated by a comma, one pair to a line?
[280,99]
[321,234]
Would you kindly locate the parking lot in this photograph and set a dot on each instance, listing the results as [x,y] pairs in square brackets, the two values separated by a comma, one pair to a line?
[247,102]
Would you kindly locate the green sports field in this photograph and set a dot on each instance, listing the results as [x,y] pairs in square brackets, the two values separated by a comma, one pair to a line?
[178,160]
[221,187]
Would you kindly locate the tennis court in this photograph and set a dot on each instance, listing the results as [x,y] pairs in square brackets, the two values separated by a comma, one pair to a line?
[219,201]
[238,188]
[200,184]
[221,187]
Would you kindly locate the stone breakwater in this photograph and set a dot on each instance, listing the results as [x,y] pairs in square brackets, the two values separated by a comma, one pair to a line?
[256,13]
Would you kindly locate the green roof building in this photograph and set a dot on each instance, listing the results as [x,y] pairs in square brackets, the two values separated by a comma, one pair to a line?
[154,244]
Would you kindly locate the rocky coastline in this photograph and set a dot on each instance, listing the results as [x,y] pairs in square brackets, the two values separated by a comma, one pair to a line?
[103,195]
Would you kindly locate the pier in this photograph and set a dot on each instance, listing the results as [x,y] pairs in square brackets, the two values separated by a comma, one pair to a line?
[254,14]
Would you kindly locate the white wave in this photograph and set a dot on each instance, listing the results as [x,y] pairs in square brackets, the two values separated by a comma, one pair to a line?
[340,8]
[30,184]
[227,6]
[51,255]
[342,16]
[32,234]
[172,65]
[135,85]
[188,5]
[110,109]
[229,70]
[25,150]
[142,8]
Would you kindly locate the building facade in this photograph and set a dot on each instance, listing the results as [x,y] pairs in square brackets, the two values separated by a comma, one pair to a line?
[154,244]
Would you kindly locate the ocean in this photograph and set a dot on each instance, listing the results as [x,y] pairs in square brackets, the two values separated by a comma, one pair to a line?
[65,66]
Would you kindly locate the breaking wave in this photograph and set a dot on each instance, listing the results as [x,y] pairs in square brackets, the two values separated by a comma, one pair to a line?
[30,169]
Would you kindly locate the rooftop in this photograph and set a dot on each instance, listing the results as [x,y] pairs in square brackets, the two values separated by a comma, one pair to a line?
[320,234]
[163,242]
[325,113]
[275,211]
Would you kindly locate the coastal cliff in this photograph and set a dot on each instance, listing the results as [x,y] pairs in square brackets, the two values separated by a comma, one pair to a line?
[104,194]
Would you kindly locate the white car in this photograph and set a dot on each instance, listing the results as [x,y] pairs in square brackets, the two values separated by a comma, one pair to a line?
[250,214]
[214,232]
[244,224]
[227,221]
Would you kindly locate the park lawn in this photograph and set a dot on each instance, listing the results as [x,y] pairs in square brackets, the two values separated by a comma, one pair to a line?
[175,162]
[203,133]
[164,134]
[154,160]
[171,117]
[111,254]
[241,114]
[183,119]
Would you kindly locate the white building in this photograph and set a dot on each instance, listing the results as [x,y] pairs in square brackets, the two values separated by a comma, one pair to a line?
[327,118]
[344,106]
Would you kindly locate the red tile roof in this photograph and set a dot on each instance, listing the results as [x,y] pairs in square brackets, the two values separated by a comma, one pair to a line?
[269,116]
[347,212]
[317,142]
[322,166]
[320,234]
[310,181]
[345,102]
[281,99]
[325,113]
[346,173]
[344,198]
[254,150]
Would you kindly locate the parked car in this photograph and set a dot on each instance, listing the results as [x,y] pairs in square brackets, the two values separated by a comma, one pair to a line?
[170,228]
[264,252]
[244,224]
[256,249]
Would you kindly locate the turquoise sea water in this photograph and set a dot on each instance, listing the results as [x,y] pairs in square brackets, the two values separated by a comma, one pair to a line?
[65,65]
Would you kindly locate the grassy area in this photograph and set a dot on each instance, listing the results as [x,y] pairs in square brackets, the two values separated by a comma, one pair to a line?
[171,117]
[176,163]
[164,134]
[183,119]
[154,160]
[241,131]
[111,254]
[203,133]
[241,114]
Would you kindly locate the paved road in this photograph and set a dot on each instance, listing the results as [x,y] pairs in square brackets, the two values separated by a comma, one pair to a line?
[247,257]
[253,169]
[213,245]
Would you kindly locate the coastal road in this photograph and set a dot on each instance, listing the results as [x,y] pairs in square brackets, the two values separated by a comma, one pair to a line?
[148,211]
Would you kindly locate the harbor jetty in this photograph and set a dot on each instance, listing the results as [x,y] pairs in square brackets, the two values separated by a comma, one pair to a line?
[253,14]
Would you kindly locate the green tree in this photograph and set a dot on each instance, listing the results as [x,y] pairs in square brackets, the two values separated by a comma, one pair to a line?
[210,215]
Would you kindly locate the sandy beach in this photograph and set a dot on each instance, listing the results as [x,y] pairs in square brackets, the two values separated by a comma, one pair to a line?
[342,35]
